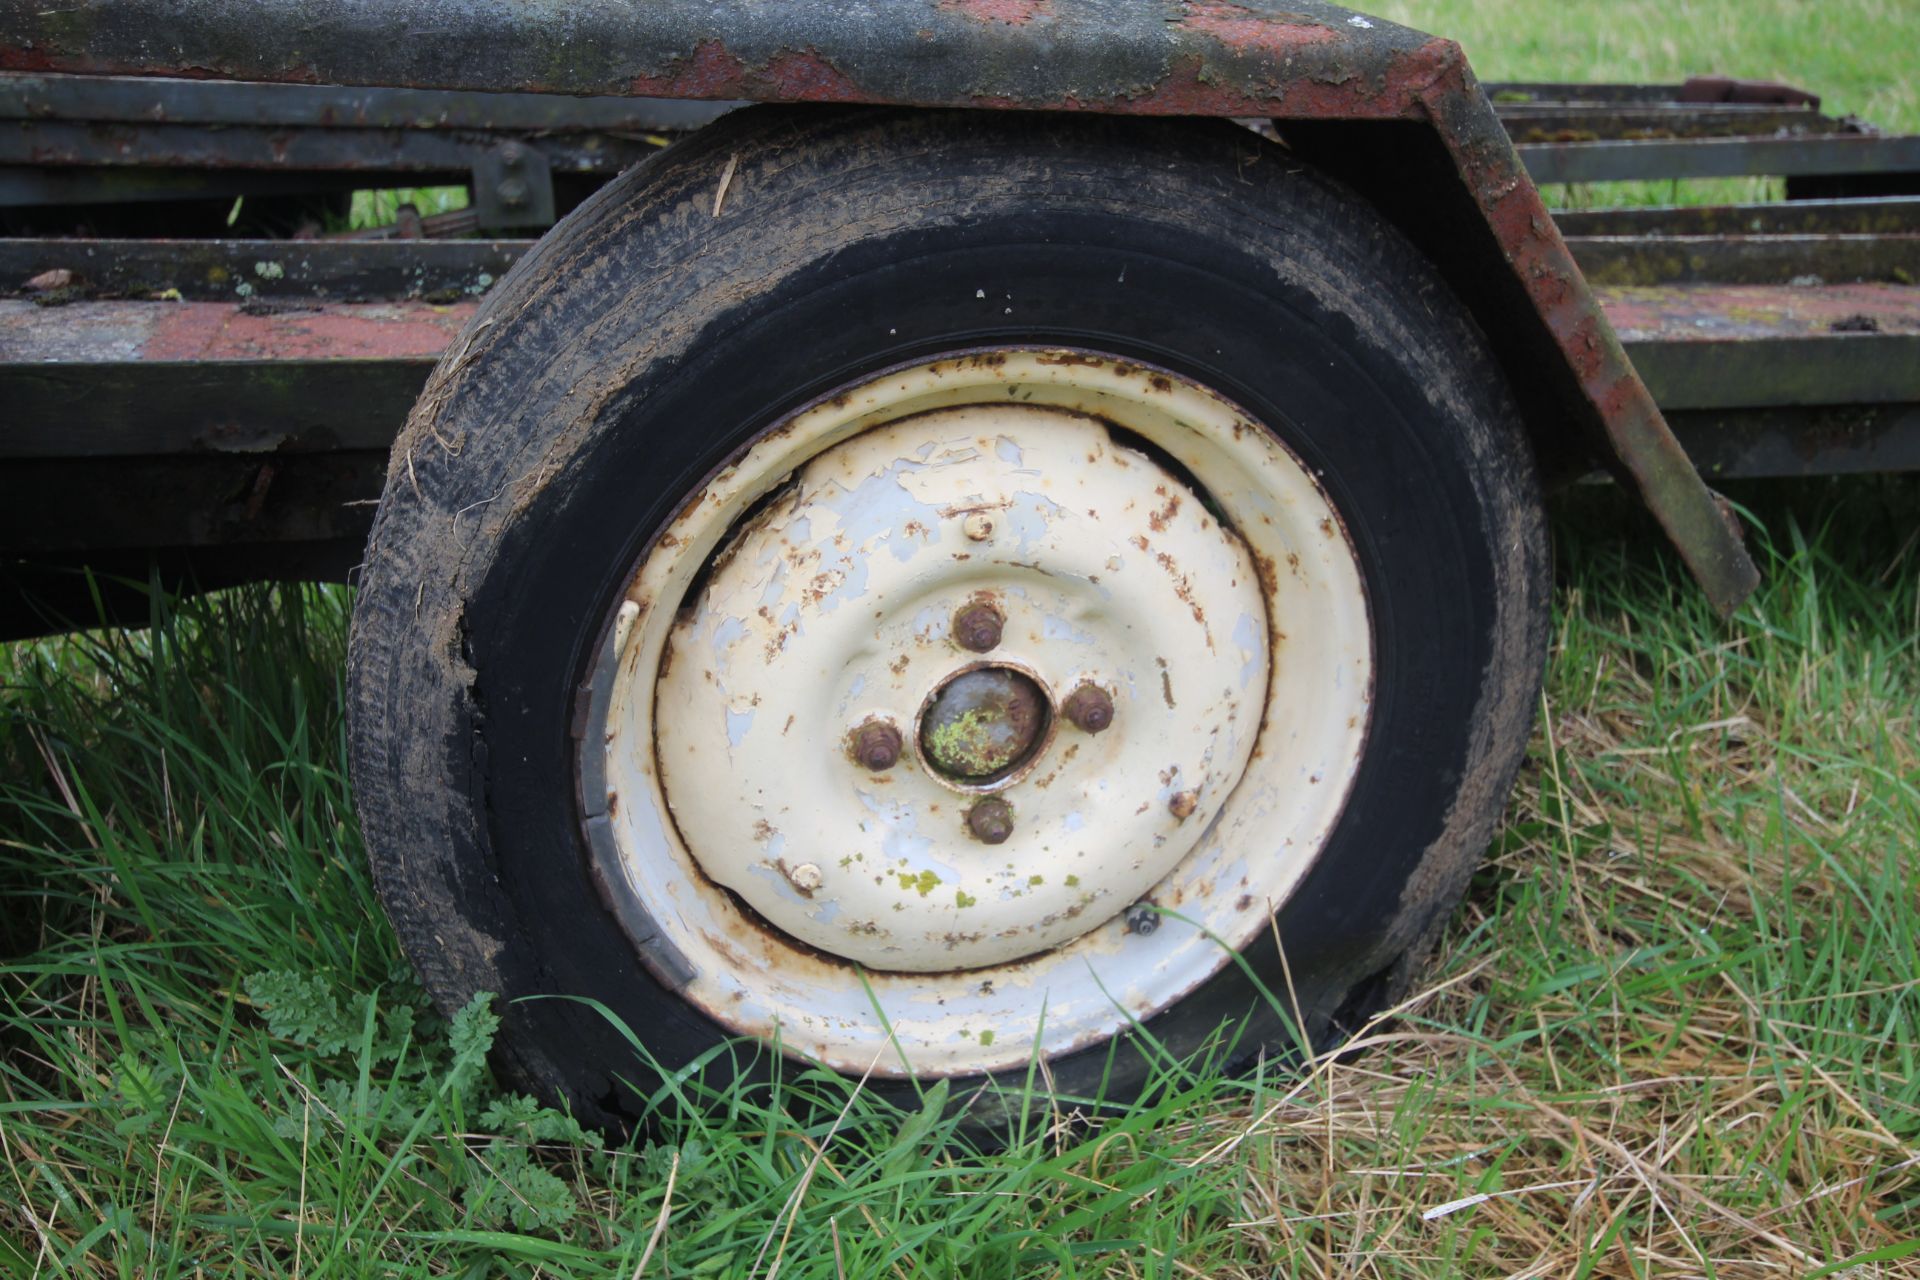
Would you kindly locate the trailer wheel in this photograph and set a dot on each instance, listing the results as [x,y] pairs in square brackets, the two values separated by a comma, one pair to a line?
[931,590]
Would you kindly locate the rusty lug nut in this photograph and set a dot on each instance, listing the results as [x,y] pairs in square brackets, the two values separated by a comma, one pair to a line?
[1089,707]
[1142,918]
[876,744]
[1183,804]
[977,627]
[990,820]
[978,526]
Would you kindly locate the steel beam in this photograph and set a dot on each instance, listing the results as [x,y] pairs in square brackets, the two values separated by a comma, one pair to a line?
[142,100]
[57,143]
[1533,113]
[1785,259]
[1781,372]
[210,379]
[1812,440]
[266,270]
[1659,161]
[1567,122]
[1886,215]
[365,270]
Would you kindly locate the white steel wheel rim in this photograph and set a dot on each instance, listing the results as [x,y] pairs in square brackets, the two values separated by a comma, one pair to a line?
[1203,583]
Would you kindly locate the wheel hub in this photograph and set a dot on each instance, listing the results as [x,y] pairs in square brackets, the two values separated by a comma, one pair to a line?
[980,725]
[863,597]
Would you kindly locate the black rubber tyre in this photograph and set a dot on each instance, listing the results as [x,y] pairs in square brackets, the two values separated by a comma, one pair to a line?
[648,339]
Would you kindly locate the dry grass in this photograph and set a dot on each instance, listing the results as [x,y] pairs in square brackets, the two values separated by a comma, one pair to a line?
[1675,1031]
[1672,1033]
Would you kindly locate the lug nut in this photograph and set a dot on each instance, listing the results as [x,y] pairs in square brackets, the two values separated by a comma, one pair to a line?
[1089,707]
[1142,918]
[876,744]
[978,526]
[977,627]
[1183,804]
[990,820]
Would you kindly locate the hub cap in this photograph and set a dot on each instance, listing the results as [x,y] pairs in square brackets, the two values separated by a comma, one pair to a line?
[981,724]
[964,558]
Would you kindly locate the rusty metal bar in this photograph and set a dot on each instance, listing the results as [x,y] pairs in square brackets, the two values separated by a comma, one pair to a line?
[344,270]
[143,100]
[1886,215]
[1751,346]
[365,270]
[1859,368]
[1726,313]
[118,379]
[1654,111]
[1811,259]
[158,409]
[1816,440]
[1592,122]
[1133,56]
[1524,92]
[1699,89]
[54,143]
[115,379]
[1720,158]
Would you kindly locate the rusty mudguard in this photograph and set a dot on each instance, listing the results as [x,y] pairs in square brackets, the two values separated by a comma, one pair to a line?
[1394,112]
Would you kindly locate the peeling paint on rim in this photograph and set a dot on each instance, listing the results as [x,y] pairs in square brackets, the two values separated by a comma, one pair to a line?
[1210,588]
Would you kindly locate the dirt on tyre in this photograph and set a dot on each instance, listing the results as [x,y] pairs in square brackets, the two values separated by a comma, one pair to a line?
[924,591]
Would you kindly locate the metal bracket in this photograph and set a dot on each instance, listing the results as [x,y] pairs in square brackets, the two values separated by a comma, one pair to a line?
[513,187]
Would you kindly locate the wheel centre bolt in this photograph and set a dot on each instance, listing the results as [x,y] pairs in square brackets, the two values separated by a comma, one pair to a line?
[977,627]
[876,744]
[1089,707]
[990,820]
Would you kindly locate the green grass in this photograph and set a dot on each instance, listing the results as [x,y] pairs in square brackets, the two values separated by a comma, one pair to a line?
[1677,1020]
[378,208]
[1858,55]
[1673,1031]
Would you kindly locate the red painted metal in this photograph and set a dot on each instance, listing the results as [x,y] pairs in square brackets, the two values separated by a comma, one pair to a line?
[418,333]
[1746,312]
[200,331]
